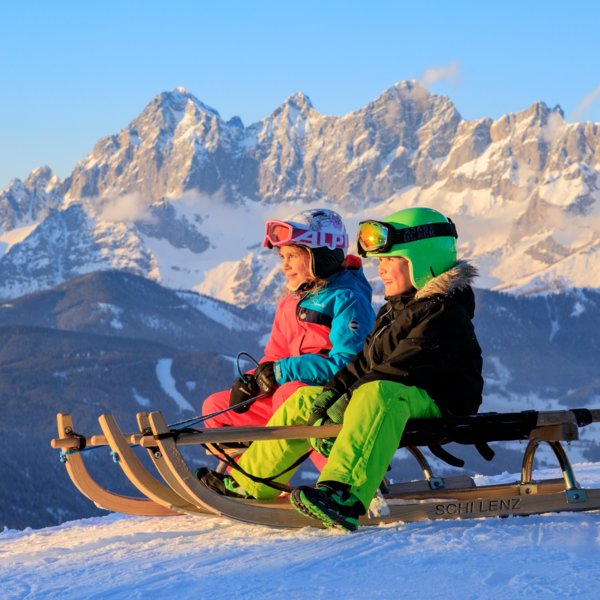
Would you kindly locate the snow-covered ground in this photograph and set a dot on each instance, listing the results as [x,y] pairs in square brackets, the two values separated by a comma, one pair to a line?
[547,556]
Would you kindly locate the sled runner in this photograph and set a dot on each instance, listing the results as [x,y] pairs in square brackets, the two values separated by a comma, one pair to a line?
[432,498]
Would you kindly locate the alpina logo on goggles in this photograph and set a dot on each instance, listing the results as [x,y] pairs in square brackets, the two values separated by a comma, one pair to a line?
[378,237]
[279,233]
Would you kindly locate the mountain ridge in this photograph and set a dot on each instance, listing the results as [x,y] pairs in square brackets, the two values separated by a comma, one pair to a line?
[159,196]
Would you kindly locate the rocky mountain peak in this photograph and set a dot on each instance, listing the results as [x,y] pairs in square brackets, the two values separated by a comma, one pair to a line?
[42,179]
[24,202]
[296,106]
[539,113]
[167,110]
[235,122]
[412,95]
[409,89]
[300,101]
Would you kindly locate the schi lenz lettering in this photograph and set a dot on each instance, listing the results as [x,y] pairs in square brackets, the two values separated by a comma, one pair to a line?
[478,507]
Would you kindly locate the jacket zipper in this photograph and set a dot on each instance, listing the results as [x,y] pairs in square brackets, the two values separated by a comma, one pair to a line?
[376,336]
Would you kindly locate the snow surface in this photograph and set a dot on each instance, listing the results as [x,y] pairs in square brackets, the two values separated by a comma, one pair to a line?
[219,312]
[168,384]
[141,400]
[549,556]
[9,238]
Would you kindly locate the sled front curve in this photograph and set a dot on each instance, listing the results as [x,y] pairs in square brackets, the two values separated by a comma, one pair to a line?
[138,475]
[158,460]
[100,496]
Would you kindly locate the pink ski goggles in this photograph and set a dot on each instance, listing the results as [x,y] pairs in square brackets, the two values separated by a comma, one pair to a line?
[280,233]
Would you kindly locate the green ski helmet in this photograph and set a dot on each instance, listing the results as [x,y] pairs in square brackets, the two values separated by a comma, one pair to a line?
[425,237]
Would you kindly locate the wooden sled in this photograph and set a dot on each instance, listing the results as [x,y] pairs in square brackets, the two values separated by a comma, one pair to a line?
[432,498]
[161,494]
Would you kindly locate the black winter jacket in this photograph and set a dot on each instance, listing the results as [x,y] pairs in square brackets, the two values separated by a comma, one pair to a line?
[425,339]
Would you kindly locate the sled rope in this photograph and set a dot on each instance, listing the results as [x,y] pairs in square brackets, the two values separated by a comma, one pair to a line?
[270,481]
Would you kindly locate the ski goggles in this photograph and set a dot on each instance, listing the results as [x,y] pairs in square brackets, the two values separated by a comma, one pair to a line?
[281,233]
[378,238]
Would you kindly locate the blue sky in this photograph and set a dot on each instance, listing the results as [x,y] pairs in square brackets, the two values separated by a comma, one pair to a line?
[72,72]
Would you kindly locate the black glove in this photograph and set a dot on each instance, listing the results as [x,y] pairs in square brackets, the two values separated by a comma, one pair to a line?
[322,445]
[336,411]
[265,377]
[320,415]
[319,408]
[243,389]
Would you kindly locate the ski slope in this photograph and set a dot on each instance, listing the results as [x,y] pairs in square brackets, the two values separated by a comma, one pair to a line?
[549,556]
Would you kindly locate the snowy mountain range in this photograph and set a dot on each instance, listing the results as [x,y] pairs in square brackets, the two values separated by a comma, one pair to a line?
[180,195]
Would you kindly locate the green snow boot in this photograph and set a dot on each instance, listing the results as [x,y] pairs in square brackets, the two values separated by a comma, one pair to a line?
[329,502]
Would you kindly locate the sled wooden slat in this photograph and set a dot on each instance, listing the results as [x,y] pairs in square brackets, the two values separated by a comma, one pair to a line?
[565,432]
[553,417]
[248,434]
[422,486]
[137,474]
[100,496]
[216,435]
[550,425]
[422,491]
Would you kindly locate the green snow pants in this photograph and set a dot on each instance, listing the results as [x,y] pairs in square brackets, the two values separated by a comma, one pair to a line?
[373,425]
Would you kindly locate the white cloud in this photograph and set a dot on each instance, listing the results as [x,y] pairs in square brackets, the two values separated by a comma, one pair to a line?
[129,207]
[554,128]
[450,73]
[584,105]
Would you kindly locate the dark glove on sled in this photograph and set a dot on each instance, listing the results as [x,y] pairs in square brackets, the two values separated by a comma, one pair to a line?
[265,377]
[243,390]
[336,411]
[322,445]
[319,408]
[327,410]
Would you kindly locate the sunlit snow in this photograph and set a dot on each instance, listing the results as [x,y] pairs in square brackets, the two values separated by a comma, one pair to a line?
[546,556]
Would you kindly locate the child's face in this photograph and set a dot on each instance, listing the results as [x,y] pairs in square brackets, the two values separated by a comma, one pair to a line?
[295,264]
[394,272]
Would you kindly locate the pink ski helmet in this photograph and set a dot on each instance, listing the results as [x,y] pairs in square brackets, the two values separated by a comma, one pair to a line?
[320,230]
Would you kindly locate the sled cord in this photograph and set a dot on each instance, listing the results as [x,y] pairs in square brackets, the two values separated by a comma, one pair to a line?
[270,481]
[237,360]
[200,419]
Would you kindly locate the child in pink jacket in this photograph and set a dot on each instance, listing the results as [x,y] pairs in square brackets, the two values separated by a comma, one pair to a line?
[319,325]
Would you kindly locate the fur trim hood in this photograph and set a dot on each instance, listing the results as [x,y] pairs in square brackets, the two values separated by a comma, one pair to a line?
[459,277]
